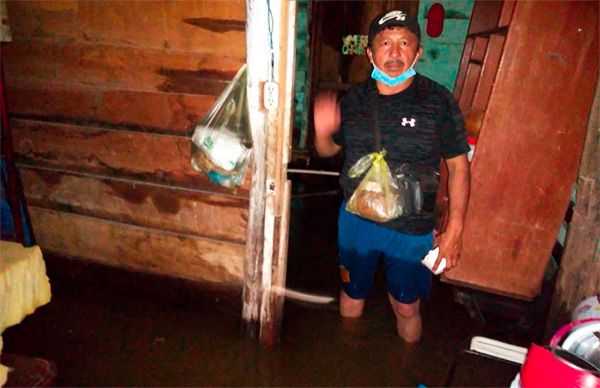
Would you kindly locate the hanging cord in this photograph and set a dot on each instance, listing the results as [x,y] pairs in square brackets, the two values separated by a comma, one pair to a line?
[270,25]
[375,110]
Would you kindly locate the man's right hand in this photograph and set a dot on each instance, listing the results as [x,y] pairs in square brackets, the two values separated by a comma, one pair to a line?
[327,119]
[326,114]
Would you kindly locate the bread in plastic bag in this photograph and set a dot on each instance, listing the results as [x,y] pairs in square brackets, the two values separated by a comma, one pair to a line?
[376,197]
[222,143]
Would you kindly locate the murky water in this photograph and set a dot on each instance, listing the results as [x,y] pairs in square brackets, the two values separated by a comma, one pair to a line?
[98,337]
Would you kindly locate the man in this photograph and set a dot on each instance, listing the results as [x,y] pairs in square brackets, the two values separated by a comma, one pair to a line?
[419,122]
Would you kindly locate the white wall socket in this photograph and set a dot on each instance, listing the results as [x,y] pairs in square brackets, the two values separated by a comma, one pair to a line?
[271,95]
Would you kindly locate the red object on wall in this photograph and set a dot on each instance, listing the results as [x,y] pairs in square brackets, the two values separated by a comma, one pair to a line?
[435,20]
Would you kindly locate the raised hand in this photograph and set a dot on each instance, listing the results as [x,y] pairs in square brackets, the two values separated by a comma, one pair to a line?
[327,119]
[326,114]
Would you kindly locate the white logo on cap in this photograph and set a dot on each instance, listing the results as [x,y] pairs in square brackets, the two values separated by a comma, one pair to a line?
[410,122]
[398,15]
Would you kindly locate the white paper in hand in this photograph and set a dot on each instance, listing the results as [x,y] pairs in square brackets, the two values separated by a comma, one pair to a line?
[430,259]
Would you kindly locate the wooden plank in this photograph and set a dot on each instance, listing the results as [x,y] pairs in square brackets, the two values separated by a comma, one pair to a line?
[211,27]
[462,69]
[138,203]
[485,16]
[126,68]
[508,8]
[528,152]
[471,81]
[258,73]
[488,72]
[156,112]
[143,249]
[36,19]
[163,159]
[479,48]
[217,9]
[279,195]
[164,25]
[263,304]
[272,329]
[60,5]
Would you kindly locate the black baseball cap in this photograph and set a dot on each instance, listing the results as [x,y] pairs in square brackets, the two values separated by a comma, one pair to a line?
[393,18]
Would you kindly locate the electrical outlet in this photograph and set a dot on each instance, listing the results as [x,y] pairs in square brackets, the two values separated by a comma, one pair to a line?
[271,95]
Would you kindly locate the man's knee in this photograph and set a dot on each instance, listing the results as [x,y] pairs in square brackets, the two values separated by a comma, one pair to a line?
[349,307]
[405,310]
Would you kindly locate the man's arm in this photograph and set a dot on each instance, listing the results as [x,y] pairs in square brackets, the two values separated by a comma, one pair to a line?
[458,191]
[327,119]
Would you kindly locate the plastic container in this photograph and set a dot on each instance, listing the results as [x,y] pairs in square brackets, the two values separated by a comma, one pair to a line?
[472,143]
[545,368]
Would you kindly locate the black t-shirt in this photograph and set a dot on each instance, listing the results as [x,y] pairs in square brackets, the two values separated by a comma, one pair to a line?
[419,126]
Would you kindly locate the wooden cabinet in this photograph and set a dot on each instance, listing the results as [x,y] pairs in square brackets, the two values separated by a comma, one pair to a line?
[526,87]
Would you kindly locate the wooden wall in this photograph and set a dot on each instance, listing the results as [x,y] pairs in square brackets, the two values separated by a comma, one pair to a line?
[103,97]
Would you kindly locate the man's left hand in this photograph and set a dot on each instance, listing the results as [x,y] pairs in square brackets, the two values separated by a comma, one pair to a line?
[450,244]
[450,239]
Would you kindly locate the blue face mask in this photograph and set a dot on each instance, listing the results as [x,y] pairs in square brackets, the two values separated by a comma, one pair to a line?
[378,75]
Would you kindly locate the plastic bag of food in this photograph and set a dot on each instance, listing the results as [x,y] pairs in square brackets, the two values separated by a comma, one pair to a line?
[222,142]
[376,197]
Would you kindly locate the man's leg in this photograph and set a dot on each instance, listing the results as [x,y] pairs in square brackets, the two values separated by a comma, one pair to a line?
[408,281]
[408,319]
[358,254]
[351,308]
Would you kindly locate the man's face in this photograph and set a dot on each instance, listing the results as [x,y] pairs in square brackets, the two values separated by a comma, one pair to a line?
[394,50]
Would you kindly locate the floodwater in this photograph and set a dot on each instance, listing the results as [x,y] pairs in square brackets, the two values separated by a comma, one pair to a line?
[99,334]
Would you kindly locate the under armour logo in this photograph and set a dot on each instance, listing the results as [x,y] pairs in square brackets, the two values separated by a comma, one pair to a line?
[411,122]
[398,15]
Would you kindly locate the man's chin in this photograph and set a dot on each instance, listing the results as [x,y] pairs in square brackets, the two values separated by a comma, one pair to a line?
[394,73]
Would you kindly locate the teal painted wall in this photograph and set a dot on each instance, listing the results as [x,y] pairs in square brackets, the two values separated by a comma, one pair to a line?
[441,55]
[301,82]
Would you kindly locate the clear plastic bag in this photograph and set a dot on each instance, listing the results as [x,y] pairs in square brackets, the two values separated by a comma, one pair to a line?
[222,143]
[376,197]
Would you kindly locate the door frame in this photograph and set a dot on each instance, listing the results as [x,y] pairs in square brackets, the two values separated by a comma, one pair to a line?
[270,28]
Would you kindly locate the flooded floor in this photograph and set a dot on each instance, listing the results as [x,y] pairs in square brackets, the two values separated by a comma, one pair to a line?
[105,332]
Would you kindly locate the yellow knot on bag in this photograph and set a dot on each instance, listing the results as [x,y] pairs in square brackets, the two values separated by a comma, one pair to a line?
[376,197]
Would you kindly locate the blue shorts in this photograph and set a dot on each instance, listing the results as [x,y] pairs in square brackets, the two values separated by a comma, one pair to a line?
[361,243]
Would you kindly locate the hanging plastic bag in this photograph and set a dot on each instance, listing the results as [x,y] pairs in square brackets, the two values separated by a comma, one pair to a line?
[376,197]
[222,143]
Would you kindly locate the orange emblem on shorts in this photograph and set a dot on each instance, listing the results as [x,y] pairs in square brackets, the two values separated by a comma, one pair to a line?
[344,274]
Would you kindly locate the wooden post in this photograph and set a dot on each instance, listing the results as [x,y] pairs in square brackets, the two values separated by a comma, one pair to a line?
[272,312]
[257,70]
[579,273]
[13,187]
[266,244]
